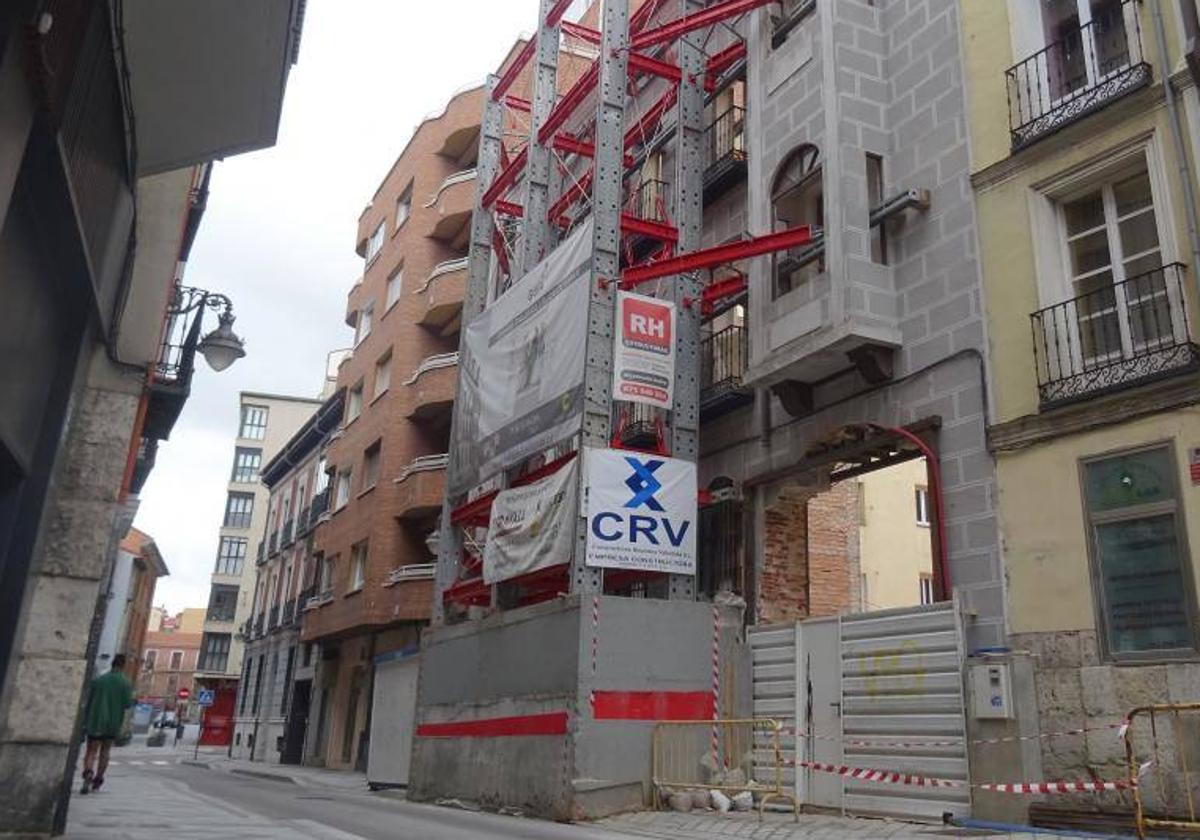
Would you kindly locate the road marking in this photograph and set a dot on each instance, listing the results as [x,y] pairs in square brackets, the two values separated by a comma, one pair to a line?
[324,832]
[160,763]
[135,761]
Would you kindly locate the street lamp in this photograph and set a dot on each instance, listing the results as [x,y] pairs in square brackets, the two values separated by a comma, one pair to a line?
[221,347]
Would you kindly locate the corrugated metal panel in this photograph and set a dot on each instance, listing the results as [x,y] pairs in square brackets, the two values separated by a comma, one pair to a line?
[773,655]
[902,681]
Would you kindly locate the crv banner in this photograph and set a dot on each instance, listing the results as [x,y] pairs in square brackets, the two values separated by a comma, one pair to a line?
[532,527]
[644,352]
[641,512]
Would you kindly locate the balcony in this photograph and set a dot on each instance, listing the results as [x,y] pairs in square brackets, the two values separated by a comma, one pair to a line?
[444,291]
[220,614]
[432,388]
[724,152]
[273,620]
[258,626]
[289,612]
[723,359]
[273,544]
[454,200]
[1084,70]
[319,510]
[303,522]
[1115,337]
[289,533]
[262,553]
[413,571]
[638,426]
[421,486]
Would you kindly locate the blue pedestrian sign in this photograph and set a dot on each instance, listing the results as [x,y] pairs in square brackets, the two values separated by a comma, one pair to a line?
[204,697]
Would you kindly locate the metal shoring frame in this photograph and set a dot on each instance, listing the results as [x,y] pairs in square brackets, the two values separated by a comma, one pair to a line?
[535,191]
[608,167]
[479,260]
[684,289]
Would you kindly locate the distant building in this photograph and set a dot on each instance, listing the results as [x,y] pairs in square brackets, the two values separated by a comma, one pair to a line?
[168,664]
[127,612]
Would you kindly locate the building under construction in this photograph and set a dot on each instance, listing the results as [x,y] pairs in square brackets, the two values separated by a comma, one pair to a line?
[789,183]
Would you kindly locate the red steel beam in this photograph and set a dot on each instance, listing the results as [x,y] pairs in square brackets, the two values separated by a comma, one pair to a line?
[709,257]
[555,15]
[506,178]
[647,121]
[721,289]
[690,23]
[569,144]
[726,57]
[570,195]
[583,33]
[517,103]
[514,70]
[570,101]
[646,64]
[642,16]
[644,227]
[508,208]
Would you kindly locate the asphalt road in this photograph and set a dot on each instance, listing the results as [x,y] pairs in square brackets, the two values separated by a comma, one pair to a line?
[149,801]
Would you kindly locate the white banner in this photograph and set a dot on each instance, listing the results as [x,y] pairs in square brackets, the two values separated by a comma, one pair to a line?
[644,350]
[521,367]
[641,512]
[532,527]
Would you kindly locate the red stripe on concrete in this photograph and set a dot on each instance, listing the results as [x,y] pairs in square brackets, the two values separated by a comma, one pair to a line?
[550,723]
[653,705]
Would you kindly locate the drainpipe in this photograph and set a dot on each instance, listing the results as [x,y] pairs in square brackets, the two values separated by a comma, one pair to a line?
[1173,106]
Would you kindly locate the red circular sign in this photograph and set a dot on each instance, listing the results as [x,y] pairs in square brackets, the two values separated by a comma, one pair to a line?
[184,693]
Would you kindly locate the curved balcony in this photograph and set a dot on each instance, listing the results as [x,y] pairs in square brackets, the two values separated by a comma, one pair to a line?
[421,486]
[454,200]
[444,290]
[432,387]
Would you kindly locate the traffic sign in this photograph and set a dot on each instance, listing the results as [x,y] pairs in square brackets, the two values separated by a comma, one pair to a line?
[184,693]
[204,697]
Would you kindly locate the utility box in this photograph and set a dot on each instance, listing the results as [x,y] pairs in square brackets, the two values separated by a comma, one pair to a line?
[991,691]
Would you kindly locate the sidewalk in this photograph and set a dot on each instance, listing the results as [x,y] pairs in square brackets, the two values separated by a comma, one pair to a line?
[215,758]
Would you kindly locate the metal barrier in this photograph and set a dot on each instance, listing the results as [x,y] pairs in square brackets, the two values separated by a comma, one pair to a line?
[729,755]
[1164,775]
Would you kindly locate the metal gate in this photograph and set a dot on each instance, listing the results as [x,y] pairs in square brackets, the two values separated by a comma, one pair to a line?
[879,691]
[393,717]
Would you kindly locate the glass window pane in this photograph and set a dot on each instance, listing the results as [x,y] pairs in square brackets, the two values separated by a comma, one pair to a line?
[1089,253]
[1132,193]
[1137,478]
[1143,585]
[1139,233]
[1084,213]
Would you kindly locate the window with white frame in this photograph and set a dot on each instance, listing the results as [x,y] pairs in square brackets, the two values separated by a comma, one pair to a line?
[925,587]
[354,402]
[383,373]
[239,509]
[395,285]
[922,498]
[375,244]
[342,497]
[403,206]
[362,327]
[1086,42]
[358,566]
[231,555]
[254,422]
[1140,564]
[246,464]
[327,576]
[148,659]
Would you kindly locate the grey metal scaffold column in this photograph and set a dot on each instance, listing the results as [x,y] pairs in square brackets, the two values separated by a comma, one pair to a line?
[535,195]
[606,261]
[479,264]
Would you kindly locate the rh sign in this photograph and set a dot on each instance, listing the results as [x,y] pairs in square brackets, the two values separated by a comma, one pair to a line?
[641,512]
[644,352]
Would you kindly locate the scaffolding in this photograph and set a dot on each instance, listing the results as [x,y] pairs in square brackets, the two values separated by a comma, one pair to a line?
[579,156]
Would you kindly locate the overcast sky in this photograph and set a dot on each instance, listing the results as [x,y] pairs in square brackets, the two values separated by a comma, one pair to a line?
[278,234]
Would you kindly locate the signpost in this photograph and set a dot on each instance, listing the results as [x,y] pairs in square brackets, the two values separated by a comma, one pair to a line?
[204,699]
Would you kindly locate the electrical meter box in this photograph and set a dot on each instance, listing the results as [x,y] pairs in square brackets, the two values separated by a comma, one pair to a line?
[991,691]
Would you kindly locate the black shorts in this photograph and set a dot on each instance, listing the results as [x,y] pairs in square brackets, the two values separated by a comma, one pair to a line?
[103,739]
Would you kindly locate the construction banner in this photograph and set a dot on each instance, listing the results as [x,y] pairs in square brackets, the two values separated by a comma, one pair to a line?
[521,367]
[641,512]
[644,352]
[532,527]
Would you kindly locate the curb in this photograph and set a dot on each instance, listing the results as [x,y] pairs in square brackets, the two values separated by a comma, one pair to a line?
[193,763]
[263,774]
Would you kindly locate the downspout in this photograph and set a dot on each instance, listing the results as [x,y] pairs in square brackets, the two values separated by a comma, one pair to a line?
[1185,175]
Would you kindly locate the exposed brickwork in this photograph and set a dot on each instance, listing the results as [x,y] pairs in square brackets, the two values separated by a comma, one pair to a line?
[783,594]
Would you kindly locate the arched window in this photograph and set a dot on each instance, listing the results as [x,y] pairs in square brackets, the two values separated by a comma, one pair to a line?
[798,198]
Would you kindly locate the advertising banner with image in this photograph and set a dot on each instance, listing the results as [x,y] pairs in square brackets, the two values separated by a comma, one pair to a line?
[644,351]
[532,527]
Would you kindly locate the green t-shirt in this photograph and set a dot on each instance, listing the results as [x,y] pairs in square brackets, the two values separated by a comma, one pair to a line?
[111,695]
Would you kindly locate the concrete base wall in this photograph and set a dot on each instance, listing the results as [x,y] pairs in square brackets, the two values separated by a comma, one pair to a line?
[538,661]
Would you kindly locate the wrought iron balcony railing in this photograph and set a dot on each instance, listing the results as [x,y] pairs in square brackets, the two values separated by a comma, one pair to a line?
[725,141]
[1085,69]
[303,519]
[273,620]
[262,552]
[1115,337]
[320,505]
[649,200]
[724,356]
[638,425]
[273,544]
[221,613]
[289,612]
[289,533]
[258,625]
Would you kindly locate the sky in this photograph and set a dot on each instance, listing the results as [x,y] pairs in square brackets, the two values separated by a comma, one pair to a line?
[278,233]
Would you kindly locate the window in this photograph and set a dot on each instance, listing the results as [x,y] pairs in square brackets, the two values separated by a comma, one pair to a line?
[342,497]
[925,582]
[244,685]
[358,566]
[375,244]
[371,466]
[354,403]
[395,285]
[362,328]
[922,495]
[254,422]
[797,198]
[239,507]
[222,602]
[1111,236]
[149,658]
[176,660]
[1087,43]
[327,576]
[403,206]
[287,680]
[321,478]
[383,373]
[874,201]
[258,677]
[231,554]
[794,11]
[1139,554]
[246,463]
[214,655]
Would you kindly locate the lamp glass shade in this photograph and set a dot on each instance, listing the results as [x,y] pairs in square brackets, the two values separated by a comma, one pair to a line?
[222,347]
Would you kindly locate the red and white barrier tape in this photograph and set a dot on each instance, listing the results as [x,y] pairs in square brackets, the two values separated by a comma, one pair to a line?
[791,730]
[889,777]
[595,644]
[716,682]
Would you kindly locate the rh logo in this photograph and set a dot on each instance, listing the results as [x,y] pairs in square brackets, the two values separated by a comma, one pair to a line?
[643,484]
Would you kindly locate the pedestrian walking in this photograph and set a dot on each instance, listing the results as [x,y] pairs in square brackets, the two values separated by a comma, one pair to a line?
[178,731]
[108,698]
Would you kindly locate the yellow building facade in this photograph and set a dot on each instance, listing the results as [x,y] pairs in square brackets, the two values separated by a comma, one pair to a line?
[1084,171]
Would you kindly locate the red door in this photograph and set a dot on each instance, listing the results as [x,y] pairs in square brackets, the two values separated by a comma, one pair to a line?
[217,730]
